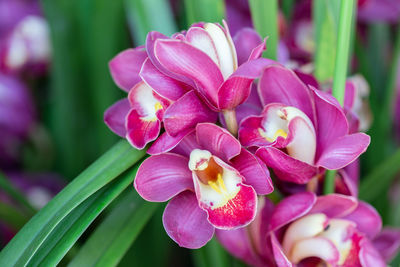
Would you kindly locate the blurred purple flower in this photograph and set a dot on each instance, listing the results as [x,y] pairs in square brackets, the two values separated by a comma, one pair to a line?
[379,10]
[212,183]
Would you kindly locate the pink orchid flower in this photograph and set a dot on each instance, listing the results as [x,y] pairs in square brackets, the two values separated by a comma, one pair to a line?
[305,230]
[206,58]
[301,130]
[212,183]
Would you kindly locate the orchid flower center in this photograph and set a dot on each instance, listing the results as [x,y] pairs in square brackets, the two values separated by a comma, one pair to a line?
[316,235]
[291,129]
[149,104]
[215,183]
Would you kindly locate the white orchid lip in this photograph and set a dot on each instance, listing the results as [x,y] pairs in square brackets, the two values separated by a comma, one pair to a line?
[215,184]
[143,95]
[316,235]
[294,125]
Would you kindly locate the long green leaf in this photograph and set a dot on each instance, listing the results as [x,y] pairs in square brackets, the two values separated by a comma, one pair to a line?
[11,216]
[71,228]
[265,19]
[149,15]
[112,239]
[380,178]
[204,10]
[212,254]
[23,246]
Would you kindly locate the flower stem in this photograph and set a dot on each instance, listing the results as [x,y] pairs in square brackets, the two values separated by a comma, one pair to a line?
[231,122]
[341,63]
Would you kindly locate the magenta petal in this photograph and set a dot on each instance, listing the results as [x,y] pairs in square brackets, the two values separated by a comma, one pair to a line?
[115,115]
[281,85]
[369,256]
[236,89]
[291,208]
[187,145]
[335,205]
[367,219]
[140,131]
[249,133]
[125,67]
[388,243]
[238,243]
[255,172]
[286,167]
[308,79]
[217,140]
[184,59]
[331,120]
[280,258]
[162,84]
[186,113]
[162,177]
[165,142]
[245,41]
[186,223]
[343,151]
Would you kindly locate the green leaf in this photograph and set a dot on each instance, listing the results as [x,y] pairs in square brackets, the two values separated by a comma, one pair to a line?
[204,10]
[24,245]
[265,19]
[11,216]
[63,237]
[212,254]
[149,15]
[380,178]
[112,239]
[15,194]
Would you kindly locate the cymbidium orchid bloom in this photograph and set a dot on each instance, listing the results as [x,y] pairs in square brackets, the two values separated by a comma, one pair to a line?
[301,130]
[305,230]
[212,183]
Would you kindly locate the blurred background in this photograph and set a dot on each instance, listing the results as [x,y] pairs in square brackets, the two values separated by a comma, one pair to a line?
[55,86]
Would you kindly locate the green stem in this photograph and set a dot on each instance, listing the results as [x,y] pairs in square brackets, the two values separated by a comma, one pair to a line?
[231,122]
[265,19]
[341,63]
[204,10]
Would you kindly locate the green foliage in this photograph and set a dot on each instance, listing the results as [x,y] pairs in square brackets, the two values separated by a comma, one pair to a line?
[204,10]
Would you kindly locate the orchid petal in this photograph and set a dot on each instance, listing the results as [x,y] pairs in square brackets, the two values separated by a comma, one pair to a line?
[201,39]
[141,131]
[186,113]
[115,115]
[186,223]
[315,247]
[280,258]
[280,85]
[187,145]
[335,205]
[255,172]
[367,219]
[249,132]
[165,142]
[343,151]
[218,141]
[184,59]
[388,242]
[286,167]
[291,208]
[245,41]
[125,67]
[162,84]
[162,177]
[369,256]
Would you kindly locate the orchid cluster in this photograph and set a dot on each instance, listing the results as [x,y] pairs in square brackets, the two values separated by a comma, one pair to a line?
[225,128]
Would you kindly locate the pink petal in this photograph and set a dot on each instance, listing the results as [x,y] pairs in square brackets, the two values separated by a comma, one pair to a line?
[125,67]
[237,212]
[286,167]
[331,120]
[183,59]
[308,79]
[236,89]
[115,115]
[388,243]
[165,142]
[162,177]
[140,131]
[369,256]
[245,41]
[291,208]
[315,247]
[201,39]
[280,258]
[335,205]
[350,95]
[367,219]
[162,84]
[187,145]
[343,151]
[186,223]
[254,171]
[281,85]
[249,134]
[186,113]
[217,140]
